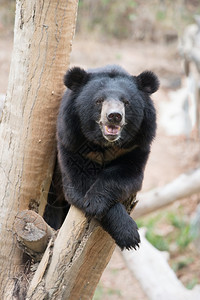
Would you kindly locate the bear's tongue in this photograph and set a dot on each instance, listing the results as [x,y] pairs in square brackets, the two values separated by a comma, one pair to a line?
[112,129]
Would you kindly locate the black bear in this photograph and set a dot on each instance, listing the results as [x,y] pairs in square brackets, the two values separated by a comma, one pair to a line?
[105,127]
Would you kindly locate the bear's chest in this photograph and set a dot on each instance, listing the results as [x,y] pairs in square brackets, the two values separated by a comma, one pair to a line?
[108,155]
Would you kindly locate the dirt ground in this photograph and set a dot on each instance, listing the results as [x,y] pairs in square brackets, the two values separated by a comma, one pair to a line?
[170,156]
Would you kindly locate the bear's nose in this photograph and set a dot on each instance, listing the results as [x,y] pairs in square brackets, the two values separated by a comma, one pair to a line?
[114,117]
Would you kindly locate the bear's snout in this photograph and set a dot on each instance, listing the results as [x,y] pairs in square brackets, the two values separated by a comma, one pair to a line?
[112,112]
[114,117]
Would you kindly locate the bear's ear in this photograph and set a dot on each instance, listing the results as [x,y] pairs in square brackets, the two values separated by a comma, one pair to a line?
[75,77]
[147,82]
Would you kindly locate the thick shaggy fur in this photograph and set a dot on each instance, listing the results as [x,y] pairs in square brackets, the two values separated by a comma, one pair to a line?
[98,176]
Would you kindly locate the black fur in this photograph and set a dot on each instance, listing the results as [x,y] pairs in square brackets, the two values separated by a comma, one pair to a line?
[98,176]
[75,77]
[148,82]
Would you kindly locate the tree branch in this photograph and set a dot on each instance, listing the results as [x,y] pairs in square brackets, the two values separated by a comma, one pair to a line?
[183,186]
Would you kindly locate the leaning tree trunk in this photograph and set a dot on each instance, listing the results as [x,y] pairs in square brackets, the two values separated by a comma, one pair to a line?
[42,42]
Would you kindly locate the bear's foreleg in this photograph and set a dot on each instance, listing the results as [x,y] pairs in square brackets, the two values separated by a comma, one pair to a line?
[121,227]
[109,190]
[118,181]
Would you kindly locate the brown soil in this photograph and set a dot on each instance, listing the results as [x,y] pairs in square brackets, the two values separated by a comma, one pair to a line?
[170,156]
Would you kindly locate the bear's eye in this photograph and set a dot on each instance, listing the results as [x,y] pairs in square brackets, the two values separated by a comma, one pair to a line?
[99,101]
[125,101]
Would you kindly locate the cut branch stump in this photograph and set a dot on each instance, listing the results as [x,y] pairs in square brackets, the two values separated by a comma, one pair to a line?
[33,233]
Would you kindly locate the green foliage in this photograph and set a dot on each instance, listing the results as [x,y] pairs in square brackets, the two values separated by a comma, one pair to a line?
[192,283]
[105,2]
[182,263]
[161,15]
[100,292]
[149,222]
[7,15]
[157,241]
[115,271]
[182,235]
[109,17]
[138,19]
[171,231]
[175,220]
[98,295]
[113,292]
[185,237]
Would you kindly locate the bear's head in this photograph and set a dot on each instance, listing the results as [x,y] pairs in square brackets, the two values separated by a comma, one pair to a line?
[112,105]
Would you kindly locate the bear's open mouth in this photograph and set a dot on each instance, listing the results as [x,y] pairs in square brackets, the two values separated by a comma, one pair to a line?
[111,132]
[112,129]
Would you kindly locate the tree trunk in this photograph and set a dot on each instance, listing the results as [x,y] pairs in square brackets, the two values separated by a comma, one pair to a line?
[42,43]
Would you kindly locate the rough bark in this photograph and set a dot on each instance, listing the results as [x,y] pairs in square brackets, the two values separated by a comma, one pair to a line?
[42,43]
[183,186]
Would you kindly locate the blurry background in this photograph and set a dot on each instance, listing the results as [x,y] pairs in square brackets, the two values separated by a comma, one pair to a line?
[163,36]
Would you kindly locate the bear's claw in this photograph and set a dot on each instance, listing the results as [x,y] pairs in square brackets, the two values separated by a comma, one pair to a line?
[121,227]
[131,242]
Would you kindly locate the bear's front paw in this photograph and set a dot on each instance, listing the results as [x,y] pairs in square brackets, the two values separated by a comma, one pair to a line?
[94,206]
[121,227]
[129,238]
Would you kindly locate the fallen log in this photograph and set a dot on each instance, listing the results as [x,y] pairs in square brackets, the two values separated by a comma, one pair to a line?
[157,279]
[184,186]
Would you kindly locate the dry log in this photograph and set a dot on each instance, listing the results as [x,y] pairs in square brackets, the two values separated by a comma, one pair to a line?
[183,186]
[157,279]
